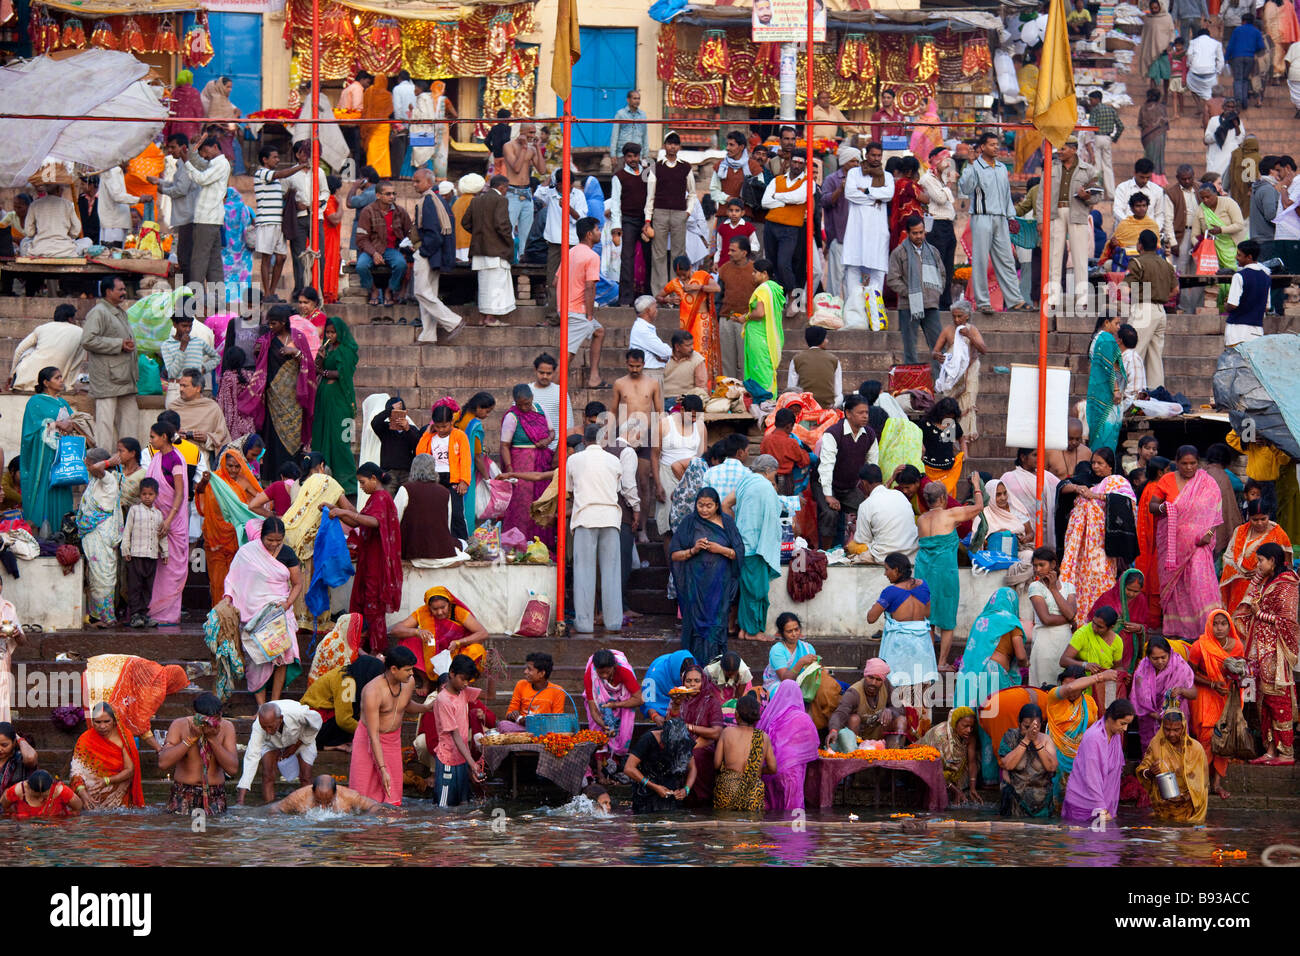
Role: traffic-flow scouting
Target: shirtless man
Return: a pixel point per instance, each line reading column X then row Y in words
column 939, row 520
column 201, row 749
column 1063, row 463
column 376, row 767
column 325, row 794
column 637, row 400
column 522, row 157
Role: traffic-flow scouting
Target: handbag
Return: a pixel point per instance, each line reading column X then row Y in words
column 267, row 635
column 70, row 465
column 1231, row 737
column 1207, row 258
column 1027, row 236
column 904, row 377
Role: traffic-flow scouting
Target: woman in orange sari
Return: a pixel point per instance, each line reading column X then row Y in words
column 135, row 687
column 692, row 293
column 217, row 497
column 1188, row 507
column 442, row 623
column 1207, row 657
column 330, row 248
column 1148, row 561
column 377, row 104
column 1239, row 558
column 105, row 768
column 1083, row 557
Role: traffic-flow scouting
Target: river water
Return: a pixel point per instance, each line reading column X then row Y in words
column 513, row 833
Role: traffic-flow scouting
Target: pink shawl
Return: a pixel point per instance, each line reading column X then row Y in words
column 252, row 402
column 1189, row 588
column 1149, row 689
column 256, row 579
column 794, row 743
column 604, row 693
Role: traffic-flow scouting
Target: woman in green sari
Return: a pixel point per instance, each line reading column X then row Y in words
column 900, row 445
column 45, row 417
column 764, row 335
column 336, row 403
column 1105, row 385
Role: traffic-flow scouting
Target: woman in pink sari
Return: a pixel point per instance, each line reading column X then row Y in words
column 794, row 742
column 168, row 469
column 1188, row 507
column 612, row 696
column 1162, row 680
column 265, row 572
column 1083, row 556
column 525, row 447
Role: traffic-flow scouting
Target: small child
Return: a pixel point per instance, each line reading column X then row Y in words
column 1135, row 373
column 144, row 544
column 1178, row 69
column 733, row 227
column 791, row 457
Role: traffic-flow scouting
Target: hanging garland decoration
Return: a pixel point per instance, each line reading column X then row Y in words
column 74, row 35
column 893, row 58
column 695, row 94
column 336, row 24
column 198, row 43
column 976, row 57
column 714, row 57
column 950, row 56
column 103, row 36
column 666, row 52
column 740, row 79
column 928, row 60
column 133, row 37
column 768, row 59
column 911, row 98
column 379, row 46
column 44, row 30
column 513, row 87
column 846, row 65
column 824, row 75
column 164, row 38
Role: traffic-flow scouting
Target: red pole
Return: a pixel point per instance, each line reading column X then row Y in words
column 314, row 203
column 809, row 179
column 1049, row 207
column 562, row 307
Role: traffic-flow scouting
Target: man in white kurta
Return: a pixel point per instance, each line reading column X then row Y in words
column 52, row 227
column 56, row 343
column 868, row 190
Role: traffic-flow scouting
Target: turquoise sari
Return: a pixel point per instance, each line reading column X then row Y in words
column 936, row 565
column 477, row 446
column 1105, row 378
column 980, row 675
column 41, row 503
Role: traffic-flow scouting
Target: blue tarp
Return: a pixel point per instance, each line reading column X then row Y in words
column 1256, row 380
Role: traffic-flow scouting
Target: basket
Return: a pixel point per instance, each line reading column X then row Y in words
column 1027, row 237
column 563, row 723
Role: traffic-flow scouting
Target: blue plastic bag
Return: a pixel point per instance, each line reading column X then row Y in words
column 70, row 466
column 331, row 566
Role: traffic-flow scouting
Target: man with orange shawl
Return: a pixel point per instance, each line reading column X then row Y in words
column 377, row 588
column 692, row 293
column 1239, row 557
column 220, row 497
column 1188, row 507
column 377, row 104
column 442, row 623
column 1215, row 682
column 1268, row 615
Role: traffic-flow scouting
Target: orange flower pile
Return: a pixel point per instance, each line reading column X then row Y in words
column 912, row 753
column 559, row 745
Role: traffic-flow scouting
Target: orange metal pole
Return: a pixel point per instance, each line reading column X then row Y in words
column 562, row 307
column 809, row 179
column 1049, row 208
column 314, row 203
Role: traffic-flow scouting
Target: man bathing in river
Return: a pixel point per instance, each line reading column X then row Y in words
column 325, row 794
column 376, row 767
column 284, row 728
column 201, row 749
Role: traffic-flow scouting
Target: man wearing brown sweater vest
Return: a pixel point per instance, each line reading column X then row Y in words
column 817, row 370
column 670, row 186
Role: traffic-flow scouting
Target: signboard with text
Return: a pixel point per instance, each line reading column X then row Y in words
column 786, row 21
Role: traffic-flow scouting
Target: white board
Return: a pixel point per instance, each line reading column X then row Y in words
column 1022, row 407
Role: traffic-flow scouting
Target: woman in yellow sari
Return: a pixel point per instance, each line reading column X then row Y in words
column 1239, row 557
column 377, row 104
column 692, row 293
column 302, row 520
column 1174, row 750
column 442, row 623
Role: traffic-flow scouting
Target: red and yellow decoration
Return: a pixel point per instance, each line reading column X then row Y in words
column 103, row 36
column 559, row 745
column 911, row 753
column 975, row 57
column 714, row 59
column 197, row 48
column 73, row 36
column 666, row 52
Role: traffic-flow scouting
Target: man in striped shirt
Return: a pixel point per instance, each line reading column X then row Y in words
column 268, row 193
column 1109, row 127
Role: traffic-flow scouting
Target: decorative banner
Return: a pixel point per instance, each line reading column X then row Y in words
column 786, row 21
column 705, row 94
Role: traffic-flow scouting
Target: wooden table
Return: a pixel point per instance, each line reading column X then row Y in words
column 825, row 773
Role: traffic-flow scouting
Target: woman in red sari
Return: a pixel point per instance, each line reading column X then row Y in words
column 692, row 293
column 1267, row 614
column 909, row 199
column 40, row 795
column 105, row 764
column 442, row 623
column 1239, row 556
column 377, row 587
column 1187, row 507
column 330, row 247
column 1214, row 683
column 1148, row 560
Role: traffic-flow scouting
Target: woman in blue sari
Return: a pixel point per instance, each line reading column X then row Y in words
column 45, row 417
column 236, row 256
column 994, row 638
column 470, row 421
column 706, row 552
column 1105, row 385
column 660, row 678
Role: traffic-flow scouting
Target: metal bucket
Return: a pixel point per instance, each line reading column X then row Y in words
column 1167, row 782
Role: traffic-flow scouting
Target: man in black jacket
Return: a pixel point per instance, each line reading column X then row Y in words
column 491, row 246
column 437, row 251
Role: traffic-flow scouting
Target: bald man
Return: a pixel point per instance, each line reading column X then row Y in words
column 284, row 728
column 325, row 794
column 1063, row 463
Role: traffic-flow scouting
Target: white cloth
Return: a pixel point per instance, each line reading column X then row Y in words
column 551, row 196
column 1219, row 158
column 1234, row 334
column 866, row 236
column 1204, row 64
column 210, row 203
column 53, row 226
column 333, row 147
column 942, row 202
column 697, row 233
column 496, row 290
column 372, row 406
column 1135, row 378
column 645, row 337
column 955, row 364
column 1049, row 642
column 404, row 100
column 829, row 451
column 434, row 315
column 301, row 724
column 50, row 343
column 1021, row 486
column 299, row 182
column 547, row 400
column 114, row 202
column 886, row 523
column 593, row 477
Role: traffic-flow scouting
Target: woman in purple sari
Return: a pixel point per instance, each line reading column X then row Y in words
column 1162, row 680
column 794, row 742
column 525, row 447
column 168, row 469
column 281, row 397
column 1094, row 782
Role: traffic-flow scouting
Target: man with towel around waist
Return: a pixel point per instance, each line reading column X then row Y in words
column 376, row 767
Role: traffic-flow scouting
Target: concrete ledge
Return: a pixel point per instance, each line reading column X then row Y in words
column 44, row 595
column 12, row 406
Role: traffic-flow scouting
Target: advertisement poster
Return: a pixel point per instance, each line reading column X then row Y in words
column 786, row 21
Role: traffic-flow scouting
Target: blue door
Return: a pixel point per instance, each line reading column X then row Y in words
column 237, row 42
column 601, row 79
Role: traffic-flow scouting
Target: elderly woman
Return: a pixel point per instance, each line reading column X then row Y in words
column 105, row 770
column 758, row 519
column 707, row 554
column 525, row 446
column 955, row 741
column 40, row 795
column 45, row 417
column 266, row 572
column 99, row 520
column 1174, row 750
column 424, row 509
column 1028, row 761
column 281, row 398
column 1188, row 507
column 1001, row 513
column 442, row 623
column 221, row 498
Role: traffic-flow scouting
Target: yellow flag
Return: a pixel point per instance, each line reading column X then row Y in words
column 567, row 48
column 1055, row 111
